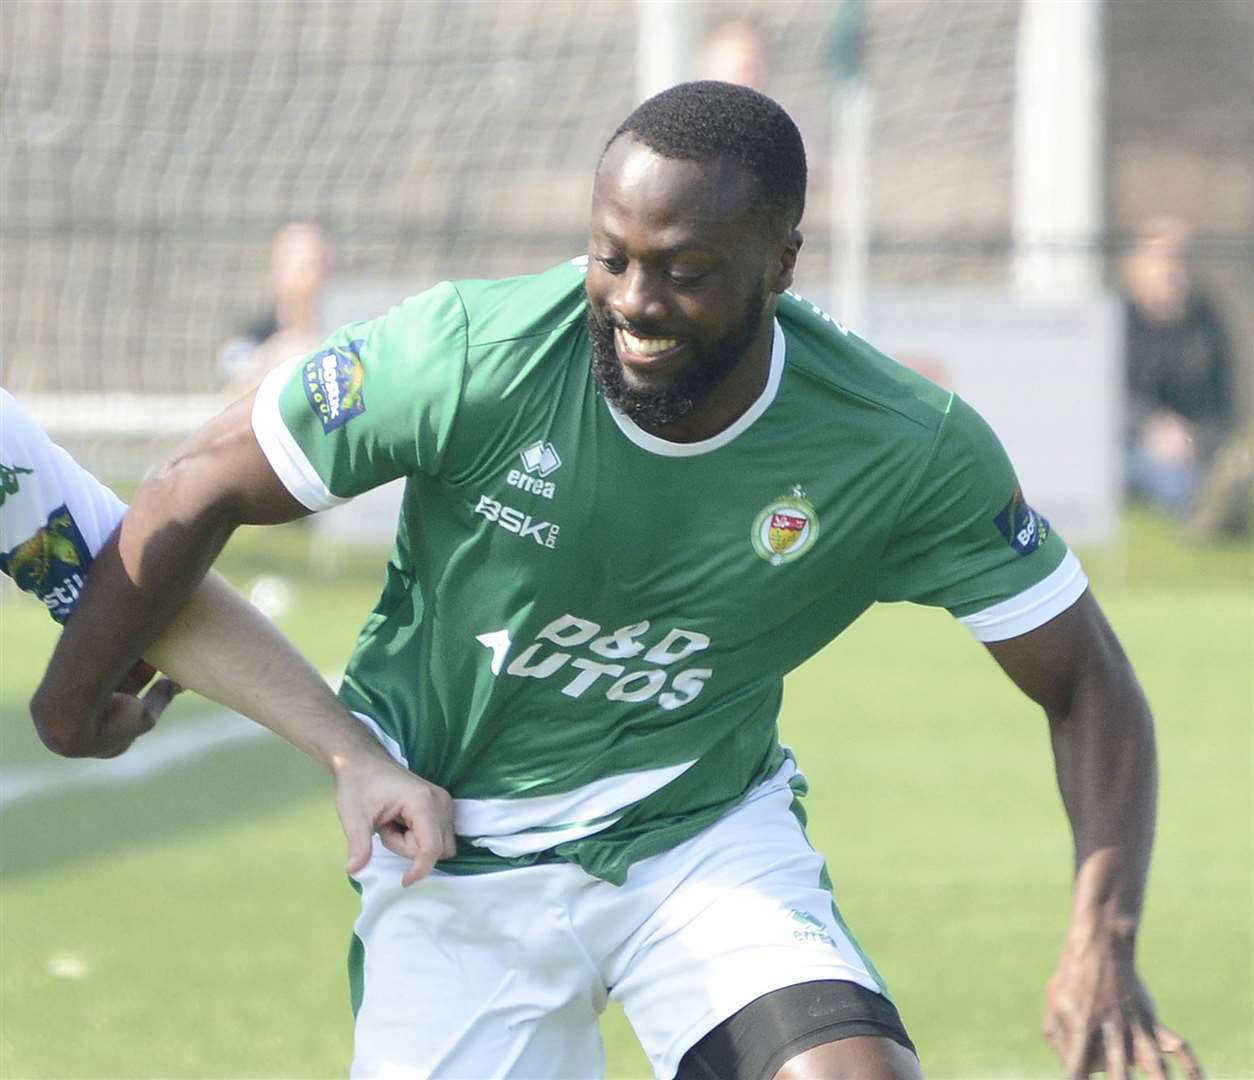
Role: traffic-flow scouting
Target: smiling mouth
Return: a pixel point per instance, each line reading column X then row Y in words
column 636, row 351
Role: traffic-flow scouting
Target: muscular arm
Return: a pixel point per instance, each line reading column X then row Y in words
column 144, row 596
column 1098, row 1013
column 1103, row 741
column 177, row 524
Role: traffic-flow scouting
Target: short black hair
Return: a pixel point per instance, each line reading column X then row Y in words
column 708, row 120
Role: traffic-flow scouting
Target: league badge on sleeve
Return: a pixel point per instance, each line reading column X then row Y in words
column 333, row 384
column 1024, row 529
column 786, row 529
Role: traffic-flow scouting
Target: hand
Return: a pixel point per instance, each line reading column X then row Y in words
column 1168, row 438
column 1099, row 1018
column 414, row 819
column 130, row 715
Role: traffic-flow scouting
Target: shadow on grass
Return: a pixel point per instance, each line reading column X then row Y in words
column 219, row 788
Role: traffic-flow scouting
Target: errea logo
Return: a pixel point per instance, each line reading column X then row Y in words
column 807, row 928
column 539, row 459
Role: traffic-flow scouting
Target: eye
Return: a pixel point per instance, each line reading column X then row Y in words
column 688, row 271
column 612, row 264
column 686, row 278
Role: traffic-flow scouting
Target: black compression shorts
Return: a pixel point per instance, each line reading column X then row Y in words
column 755, row 1042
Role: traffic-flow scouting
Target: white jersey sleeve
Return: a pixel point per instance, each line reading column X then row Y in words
column 54, row 515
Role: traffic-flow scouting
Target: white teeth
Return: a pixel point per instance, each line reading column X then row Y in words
column 647, row 346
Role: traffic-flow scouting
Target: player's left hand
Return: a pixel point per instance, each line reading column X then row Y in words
column 414, row 818
column 130, row 715
column 1099, row 1018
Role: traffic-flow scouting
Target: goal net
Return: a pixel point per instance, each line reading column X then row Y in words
column 149, row 150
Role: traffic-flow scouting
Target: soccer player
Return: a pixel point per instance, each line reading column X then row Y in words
column 642, row 487
column 54, row 518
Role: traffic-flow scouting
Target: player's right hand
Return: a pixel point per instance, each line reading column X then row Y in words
column 414, row 818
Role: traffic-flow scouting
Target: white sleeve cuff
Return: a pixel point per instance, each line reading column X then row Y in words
column 282, row 451
column 1033, row 607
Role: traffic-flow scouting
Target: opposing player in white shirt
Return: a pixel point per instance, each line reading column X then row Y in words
column 55, row 516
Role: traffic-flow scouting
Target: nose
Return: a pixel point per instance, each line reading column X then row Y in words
column 638, row 300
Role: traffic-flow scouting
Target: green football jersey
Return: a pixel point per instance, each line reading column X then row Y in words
column 584, row 628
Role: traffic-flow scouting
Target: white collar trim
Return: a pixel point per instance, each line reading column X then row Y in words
column 666, row 448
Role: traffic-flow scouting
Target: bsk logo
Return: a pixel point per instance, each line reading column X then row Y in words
column 541, row 458
column 543, row 533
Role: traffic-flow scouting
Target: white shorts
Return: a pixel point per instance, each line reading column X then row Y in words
column 504, row 974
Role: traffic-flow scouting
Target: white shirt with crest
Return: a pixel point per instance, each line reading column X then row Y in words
column 54, row 515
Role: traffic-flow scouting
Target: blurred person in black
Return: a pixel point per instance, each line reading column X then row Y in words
column 1181, row 401
column 300, row 261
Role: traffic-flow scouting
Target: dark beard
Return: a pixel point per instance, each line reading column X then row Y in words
column 688, row 390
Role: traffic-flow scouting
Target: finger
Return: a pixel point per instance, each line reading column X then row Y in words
column 164, row 690
column 124, row 721
column 161, row 693
column 398, row 839
column 1145, row 1052
column 423, row 862
column 440, row 814
column 1076, row 1052
column 1172, row 1044
column 418, row 869
column 1116, row 1050
column 1055, row 1035
column 430, row 846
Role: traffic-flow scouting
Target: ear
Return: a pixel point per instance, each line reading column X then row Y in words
column 786, row 262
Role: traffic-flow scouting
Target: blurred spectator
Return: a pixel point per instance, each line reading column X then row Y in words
column 1225, row 504
column 1179, row 373
column 300, row 260
column 733, row 53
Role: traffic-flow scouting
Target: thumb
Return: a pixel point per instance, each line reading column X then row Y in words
column 360, row 836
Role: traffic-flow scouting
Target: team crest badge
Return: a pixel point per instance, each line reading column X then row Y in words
column 786, row 529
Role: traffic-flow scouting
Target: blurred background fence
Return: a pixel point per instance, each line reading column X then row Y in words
column 151, row 148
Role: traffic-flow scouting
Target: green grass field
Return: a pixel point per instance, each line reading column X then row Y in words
column 191, row 921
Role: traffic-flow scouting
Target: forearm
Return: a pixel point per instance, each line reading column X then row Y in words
column 222, row 647
column 139, row 581
column 1097, row 1011
column 1107, row 774
column 145, row 574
